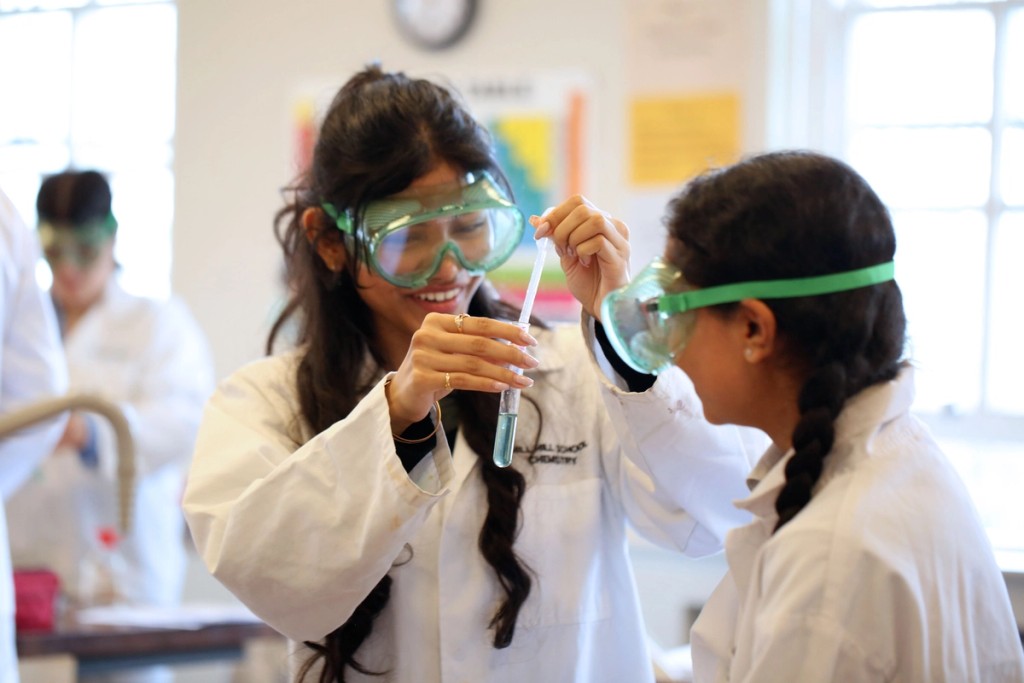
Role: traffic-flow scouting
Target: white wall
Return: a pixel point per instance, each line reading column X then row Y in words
column 241, row 63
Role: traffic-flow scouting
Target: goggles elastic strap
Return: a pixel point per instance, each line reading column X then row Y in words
column 776, row 289
column 342, row 219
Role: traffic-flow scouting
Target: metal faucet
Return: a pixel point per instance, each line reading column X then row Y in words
column 42, row 410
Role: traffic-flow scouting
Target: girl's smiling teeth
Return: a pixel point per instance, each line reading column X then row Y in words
column 439, row 296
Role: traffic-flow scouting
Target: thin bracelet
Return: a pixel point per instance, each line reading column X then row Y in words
column 402, row 439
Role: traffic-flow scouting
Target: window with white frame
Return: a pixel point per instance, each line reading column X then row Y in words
column 926, row 99
column 91, row 84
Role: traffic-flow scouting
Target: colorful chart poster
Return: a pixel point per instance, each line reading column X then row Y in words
column 541, row 124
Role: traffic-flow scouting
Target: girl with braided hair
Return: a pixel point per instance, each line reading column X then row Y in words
column 345, row 489
column 866, row 560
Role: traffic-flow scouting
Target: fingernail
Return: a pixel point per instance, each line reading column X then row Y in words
column 523, row 381
column 527, row 338
column 571, row 251
column 559, row 251
column 585, row 260
column 529, row 361
column 541, row 230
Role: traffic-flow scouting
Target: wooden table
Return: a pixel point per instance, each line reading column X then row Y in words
column 100, row 648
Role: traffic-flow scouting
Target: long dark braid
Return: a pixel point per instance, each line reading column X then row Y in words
column 799, row 214
column 851, row 355
column 382, row 131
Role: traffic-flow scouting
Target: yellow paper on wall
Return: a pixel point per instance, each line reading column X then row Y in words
column 675, row 138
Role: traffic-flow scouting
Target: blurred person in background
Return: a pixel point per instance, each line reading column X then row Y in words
column 31, row 369
column 149, row 357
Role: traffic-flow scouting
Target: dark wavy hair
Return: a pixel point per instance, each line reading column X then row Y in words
column 790, row 215
column 74, row 198
column 382, row 131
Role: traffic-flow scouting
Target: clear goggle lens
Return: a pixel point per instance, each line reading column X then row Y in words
column 79, row 246
column 409, row 236
column 480, row 240
column 642, row 335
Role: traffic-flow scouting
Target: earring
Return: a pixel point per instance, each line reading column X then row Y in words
column 748, row 353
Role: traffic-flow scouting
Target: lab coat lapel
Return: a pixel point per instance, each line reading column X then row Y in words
column 743, row 543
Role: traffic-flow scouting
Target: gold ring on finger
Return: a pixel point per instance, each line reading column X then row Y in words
column 459, row 320
column 447, row 381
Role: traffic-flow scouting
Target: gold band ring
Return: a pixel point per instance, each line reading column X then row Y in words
column 459, row 320
column 448, row 381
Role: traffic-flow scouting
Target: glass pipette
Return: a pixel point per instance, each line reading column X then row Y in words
column 508, row 409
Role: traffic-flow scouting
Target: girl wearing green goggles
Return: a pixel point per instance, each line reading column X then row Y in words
column 650, row 320
column 776, row 298
column 78, row 245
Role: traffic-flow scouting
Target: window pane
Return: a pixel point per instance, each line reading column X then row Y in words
column 47, row 157
column 936, row 167
column 921, row 67
column 940, row 268
column 13, row 5
column 1012, row 181
column 1006, row 362
column 22, row 188
column 1013, row 75
column 915, row 3
column 144, row 206
column 994, row 483
column 121, row 157
column 22, row 168
column 124, row 75
column 36, row 102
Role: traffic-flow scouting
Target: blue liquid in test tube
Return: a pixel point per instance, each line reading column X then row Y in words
column 505, row 439
column 508, row 413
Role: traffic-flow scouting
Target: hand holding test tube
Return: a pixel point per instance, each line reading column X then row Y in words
column 508, row 410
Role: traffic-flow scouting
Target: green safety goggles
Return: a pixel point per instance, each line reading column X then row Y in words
column 651, row 319
column 408, row 237
column 78, row 245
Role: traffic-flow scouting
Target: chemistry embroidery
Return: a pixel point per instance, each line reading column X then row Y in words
column 553, row 454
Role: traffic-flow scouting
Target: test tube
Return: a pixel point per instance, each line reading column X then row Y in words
column 508, row 407
column 508, row 414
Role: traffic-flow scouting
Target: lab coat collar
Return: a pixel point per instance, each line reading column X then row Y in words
column 862, row 418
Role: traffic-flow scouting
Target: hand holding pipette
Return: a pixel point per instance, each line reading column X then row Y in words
column 508, row 410
column 593, row 248
column 594, row 252
column 451, row 352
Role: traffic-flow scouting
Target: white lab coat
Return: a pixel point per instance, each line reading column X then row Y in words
column 301, row 526
column 31, row 369
column 886, row 575
column 151, row 359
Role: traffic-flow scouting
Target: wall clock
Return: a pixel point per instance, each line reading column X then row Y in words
column 434, row 24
